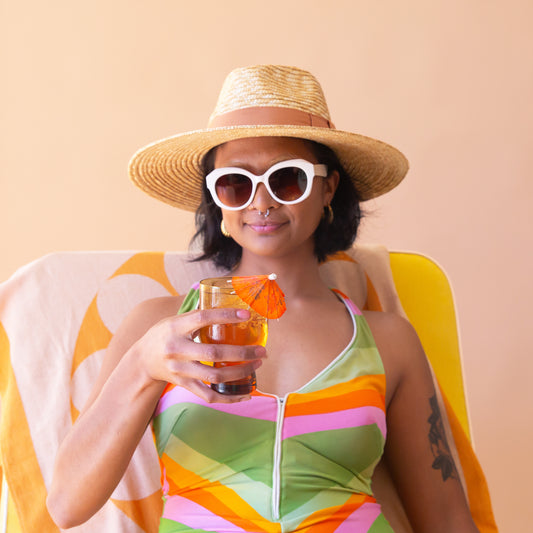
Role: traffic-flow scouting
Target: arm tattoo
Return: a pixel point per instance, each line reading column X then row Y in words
column 439, row 445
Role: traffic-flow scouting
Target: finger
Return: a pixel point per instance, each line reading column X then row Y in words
column 224, row 374
column 192, row 321
column 210, row 374
column 224, row 353
column 205, row 392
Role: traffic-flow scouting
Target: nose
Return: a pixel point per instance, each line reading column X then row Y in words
column 262, row 199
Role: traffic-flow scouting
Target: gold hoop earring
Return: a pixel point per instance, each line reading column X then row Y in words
column 223, row 229
column 328, row 214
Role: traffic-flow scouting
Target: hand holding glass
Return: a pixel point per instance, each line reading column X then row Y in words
column 216, row 293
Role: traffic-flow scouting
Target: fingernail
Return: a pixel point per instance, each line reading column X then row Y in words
column 243, row 313
column 260, row 351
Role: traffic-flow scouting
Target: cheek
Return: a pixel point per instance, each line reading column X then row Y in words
column 309, row 217
column 230, row 217
column 233, row 222
column 315, row 209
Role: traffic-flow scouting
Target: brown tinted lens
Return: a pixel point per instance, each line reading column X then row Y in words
column 288, row 184
column 233, row 190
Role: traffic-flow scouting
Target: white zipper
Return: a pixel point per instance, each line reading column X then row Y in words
column 276, row 472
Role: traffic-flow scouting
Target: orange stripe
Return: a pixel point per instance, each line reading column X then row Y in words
column 319, row 522
column 92, row 336
column 150, row 264
column 168, row 387
column 371, row 381
column 334, row 405
column 372, row 298
column 476, row 484
column 211, row 495
column 347, row 395
column 262, row 394
column 342, row 294
column 340, row 256
column 145, row 512
column 21, row 468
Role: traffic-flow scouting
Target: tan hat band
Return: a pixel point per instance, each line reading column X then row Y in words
column 265, row 116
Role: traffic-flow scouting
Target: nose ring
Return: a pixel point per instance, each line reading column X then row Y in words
column 265, row 214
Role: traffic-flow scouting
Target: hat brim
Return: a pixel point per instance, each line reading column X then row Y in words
column 171, row 169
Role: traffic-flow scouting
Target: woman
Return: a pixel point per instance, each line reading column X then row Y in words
column 276, row 189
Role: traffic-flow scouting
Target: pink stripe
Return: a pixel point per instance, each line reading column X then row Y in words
column 349, row 418
column 259, row 407
column 363, row 518
column 195, row 516
column 352, row 307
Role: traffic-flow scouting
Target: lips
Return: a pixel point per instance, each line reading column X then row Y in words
column 264, row 226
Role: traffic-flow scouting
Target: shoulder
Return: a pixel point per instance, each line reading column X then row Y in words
column 151, row 311
column 398, row 345
column 390, row 327
column 141, row 318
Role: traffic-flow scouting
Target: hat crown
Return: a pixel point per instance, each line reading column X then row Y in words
column 271, row 86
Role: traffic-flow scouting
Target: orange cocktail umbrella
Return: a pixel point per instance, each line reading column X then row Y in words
column 261, row 293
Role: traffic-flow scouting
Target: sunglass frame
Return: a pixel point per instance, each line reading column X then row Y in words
column 311, row 170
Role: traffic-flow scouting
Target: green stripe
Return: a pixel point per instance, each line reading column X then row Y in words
column 190, row 301
column 322, row 500
column 380, row 525
column 243, row 444
column 169, row 526
column 365, row 362
column 342, row 454
column 254, row 493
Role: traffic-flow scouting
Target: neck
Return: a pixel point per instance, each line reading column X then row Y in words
column 298, row 275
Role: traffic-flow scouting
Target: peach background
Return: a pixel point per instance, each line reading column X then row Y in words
column 450, row 83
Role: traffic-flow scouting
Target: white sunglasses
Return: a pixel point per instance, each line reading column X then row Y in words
column 288, row 182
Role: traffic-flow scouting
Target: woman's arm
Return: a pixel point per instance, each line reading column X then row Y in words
column 417, row 452
column 149, row 350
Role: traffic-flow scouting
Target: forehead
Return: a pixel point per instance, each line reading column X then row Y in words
column 262, row 152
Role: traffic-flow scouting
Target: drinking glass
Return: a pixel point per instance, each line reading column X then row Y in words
column 219, row 292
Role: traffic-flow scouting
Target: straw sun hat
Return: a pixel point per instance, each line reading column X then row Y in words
column 263, row 101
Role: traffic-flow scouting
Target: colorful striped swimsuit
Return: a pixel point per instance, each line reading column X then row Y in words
column 302, row 463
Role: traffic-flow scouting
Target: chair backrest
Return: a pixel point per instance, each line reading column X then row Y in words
column 427, row 298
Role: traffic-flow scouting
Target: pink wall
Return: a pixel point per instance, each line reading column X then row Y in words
column 448, row 82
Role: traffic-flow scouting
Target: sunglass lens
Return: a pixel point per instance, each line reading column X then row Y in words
column 233, row 190
column 288, row 184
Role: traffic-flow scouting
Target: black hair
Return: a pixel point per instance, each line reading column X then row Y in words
column 330, row 236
